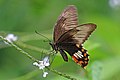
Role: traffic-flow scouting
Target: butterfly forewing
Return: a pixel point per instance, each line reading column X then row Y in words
column 66, row 21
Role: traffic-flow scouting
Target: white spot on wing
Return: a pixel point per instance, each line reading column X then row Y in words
column 78, row 54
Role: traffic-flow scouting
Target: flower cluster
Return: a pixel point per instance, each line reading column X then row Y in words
column 42, row 64
column 11, row 38
column 114, row 3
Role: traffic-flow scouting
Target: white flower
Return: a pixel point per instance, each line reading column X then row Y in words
column 45, row 74
column 114, row 3
column 11, row 37
column 42, row 64
column 46, row 61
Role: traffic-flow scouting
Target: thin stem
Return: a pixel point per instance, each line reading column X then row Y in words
column 19, row 49
column 32, row 58
column 61, row 74
column 23, row 45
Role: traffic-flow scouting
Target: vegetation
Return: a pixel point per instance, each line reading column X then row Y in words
column 23, row 17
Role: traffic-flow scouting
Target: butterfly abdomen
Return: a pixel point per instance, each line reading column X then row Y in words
column 81, row 57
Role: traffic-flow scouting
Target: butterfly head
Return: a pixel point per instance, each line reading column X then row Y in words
column 54, row 47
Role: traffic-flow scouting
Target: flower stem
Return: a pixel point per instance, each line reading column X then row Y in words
column 34, row 48
column 35, row 60
column 19, row 49
column 61, row 74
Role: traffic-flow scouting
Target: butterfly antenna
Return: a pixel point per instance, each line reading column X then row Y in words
column 42, row 35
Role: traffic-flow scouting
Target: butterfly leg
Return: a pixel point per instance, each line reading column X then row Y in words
column 64, row 55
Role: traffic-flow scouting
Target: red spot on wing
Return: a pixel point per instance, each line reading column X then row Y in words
column 75, row 59
column 82, row 61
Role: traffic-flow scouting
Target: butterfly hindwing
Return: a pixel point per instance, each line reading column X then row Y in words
column 77, row 52
column 81, row 57
column 84, row 31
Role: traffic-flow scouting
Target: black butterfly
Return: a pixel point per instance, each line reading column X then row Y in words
column 69, row 36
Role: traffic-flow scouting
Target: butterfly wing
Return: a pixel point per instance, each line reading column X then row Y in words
column 72, row 40
column 66, row 21
column 68, row 36
column 77, row 35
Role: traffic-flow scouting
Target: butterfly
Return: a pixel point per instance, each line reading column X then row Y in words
column 69, row 36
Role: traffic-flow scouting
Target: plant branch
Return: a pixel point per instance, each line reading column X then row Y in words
column 32, row 58
column 34, row 48
column 19, row 49
column 62, row 74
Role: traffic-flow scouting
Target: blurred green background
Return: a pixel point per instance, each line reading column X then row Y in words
column 23, row 17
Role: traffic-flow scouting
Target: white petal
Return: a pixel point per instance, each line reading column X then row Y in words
column 11, row 37
column 15, row 38
column 40, row 62
column 46, row 61
column 41, row 66
column 35, row 63
column 45, row 74
column 47, row 64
